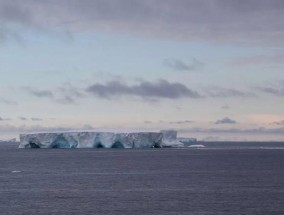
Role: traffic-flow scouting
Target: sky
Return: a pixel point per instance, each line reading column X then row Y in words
column 211, row 69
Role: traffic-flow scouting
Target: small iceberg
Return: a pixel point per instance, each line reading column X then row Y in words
column 16, row 171
column 196, row 146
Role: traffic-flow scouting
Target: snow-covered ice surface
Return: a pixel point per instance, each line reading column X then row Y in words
column 90, row 139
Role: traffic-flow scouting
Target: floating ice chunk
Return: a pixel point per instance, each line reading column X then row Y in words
column 187, row 140
column 196, row 146
column 16, row 171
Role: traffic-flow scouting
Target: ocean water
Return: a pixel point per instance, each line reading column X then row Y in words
column 222, row 178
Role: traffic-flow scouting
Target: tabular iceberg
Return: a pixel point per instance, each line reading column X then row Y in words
column 93, row 140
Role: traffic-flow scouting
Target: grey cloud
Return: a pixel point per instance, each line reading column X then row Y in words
column 8, row 102
column 181, row 122
column 69, row 90
column 228, row 92
column 179, row 65
column 273, row 91
column 32, row 118
column 225, row 107
column 42, row 93
column 276, row 88
column 65, row 94
column 268, row 59
column 147, row 122
column 40, row 128
column 145, row 89
column 259, row 130
column 212, row 138
column 23, row 118
column 14, row 11
column 194, row 20
column 279, row 123
column 225, row 120
column 36, row 119
column 4, row 119
column 7, row 34
column 66, row 100
column 172, row 122
column 68, row 94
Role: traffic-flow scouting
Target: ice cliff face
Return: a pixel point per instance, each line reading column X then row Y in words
column 49, row 140
column 92, row 140
column 170, row 139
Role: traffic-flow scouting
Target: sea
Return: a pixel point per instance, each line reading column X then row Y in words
column 220, row 178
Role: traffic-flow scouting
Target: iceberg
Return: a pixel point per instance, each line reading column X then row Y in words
column 94, row 139
column 196, row 146
column 187, row 141
column 49, row 140
column 89, row 139
column 170, row 139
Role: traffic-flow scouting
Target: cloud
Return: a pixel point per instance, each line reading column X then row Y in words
column 41, row 93
column 23, row 118
column 15, row 12
column 258, row 130
column 36, row 119
column 68, row 94
column 268, row 59
column 8, row 102
column 68, row 89
column 171, row 122
column 179, row 65
column 278, row 123
column 275, row 88
column 40, row 128
column 66, row 100
column 225, row 120
column 161, row 89
column 4, row 119
column 225, row 107
column 212, row 138
column 65, row 94
column 272, row 90
column 147, row 122
column 7, row 34
column 252, row 21
column 221, row 92
column 181, row 122
column 32, row 118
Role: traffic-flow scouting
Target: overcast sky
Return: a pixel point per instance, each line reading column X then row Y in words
column 212, row 69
